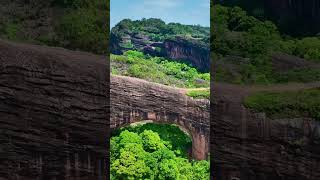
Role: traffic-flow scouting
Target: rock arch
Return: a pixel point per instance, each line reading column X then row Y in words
column 134, row 100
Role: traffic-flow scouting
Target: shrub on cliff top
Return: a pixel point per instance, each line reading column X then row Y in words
column 158, row 69
column 305, row 103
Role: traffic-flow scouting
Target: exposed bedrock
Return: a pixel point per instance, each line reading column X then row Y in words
column 184, row 50
column 197, row 56
column 250, row 146
column 54, row 118
column 53, row 113
column 134, row 100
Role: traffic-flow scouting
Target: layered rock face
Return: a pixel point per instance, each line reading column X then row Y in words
column 180, row 49
column 247, row 145
column 53, row 113
column 134, row 100
column 176, row 49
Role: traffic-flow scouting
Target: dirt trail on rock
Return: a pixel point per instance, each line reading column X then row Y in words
column 186, row 90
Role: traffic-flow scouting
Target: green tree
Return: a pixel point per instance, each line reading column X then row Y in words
column 151, row 141
column 168, row 170
column 146, row 156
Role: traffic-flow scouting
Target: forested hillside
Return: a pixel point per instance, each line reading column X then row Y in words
column 247, row 50
column 156, row 30
column 183, row 43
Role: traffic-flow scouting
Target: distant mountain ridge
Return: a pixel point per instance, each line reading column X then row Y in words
column 186, row 43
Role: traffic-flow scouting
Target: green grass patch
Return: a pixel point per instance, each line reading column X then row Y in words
column 199, row 94
column 158, row 69
column 300, row 75
column 305, row 103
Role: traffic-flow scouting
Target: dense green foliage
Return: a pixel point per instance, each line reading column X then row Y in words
column 157, row 30
column 79, row 25
column 84, row 26
column 141, row 153
column 158, row 69
column 178, row 140
column 304, row 103
column 252, row 42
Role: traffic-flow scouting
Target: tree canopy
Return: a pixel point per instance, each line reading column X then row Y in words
column 141, row 153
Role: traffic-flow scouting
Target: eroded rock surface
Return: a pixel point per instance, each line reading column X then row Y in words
column 53, row 113
column 248, row 145
column 54, row 121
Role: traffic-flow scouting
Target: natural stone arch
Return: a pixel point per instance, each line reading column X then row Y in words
column 134, row 100
column 198, row 148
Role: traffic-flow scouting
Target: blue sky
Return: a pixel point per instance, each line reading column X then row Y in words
column 182, row 11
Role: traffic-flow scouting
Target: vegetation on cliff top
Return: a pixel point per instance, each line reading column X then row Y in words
column 250, row 42
column 304, row 103
column 199, row 94
column 157, row 30
column 154, row 151
column 158, row 69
